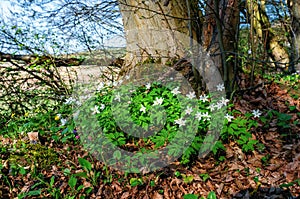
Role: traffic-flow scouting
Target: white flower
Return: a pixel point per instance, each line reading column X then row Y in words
column 63, row 121
column 224, row 101
column 85, row 97
column 175, row 91
column 115, row 83
column 127, row 77
column 102, row 106
column 76, row 114
column 220, row 87
column 78, row 103
column 191, row 95
column 95, row 110
column 100, row 86
column 118, row 97
column 206, row 116
column 212, row 106
column 158, row 101
column 198, row 116
column 249, row 51
column 143, row 109
column 148, row 86
column 256, row 113
column 204, row 98
column 70, row 100
column 188, row 110
column 219, row 105
column 229, row 117
column 180, row 122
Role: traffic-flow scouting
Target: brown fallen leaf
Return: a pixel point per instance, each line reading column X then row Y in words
column 219, row 188
column 33, row 137
column 125, row 195
column 156, row 195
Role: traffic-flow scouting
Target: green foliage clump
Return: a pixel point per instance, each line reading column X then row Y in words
column 239, row 129
column 141, row 127
column 157, row 125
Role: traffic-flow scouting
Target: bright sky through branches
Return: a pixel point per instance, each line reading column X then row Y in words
column 68, row 38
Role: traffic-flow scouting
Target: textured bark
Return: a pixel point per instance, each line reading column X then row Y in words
column 264, row 33
column 154, row 29
column 294, row 6
column 227, row 13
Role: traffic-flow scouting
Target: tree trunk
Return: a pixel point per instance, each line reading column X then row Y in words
column 263, row 33
column 162, row 33
column 155, row 30
column 294, row 6
column 167, row 30
column 220, row 35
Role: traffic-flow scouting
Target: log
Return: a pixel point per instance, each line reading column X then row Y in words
column 44, row 59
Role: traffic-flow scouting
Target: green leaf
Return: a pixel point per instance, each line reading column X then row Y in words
column 67, row 171
column 204, row 176
column 263, row 119
column 222, row 158
column 234, row 126
column 117, row 155
column 37, row 184
column 65, row 131
column 152, row 183
column 34, row 193
column 135, row 182
column 287, row 185
column 211, row 195
column 81, row 174
column 190, row 196
column 218, row 145
column 231, row 131
column 72, row 182
column 88, row 190
column 52, row 181
column 22, row 171
column 80, row 187
column 85, row 164
column 177, row 173
column 55, row 138
column 187, row 179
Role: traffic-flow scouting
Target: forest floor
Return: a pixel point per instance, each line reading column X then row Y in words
column 273, row 172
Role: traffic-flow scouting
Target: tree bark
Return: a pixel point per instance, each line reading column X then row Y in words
column 263, row 33
column 166, row 30
column 156, row 30
column 294, row 6
column 220, row 35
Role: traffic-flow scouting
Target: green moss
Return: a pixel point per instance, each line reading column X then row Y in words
column 25, row 154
